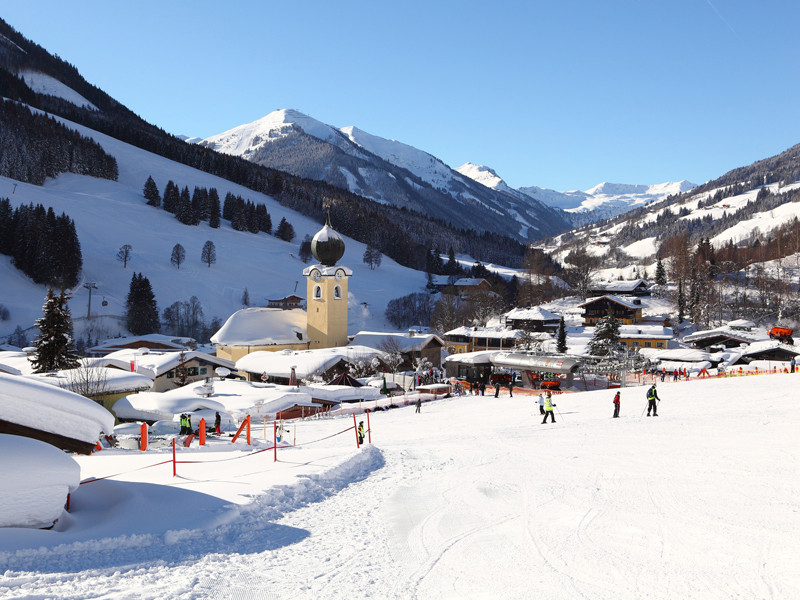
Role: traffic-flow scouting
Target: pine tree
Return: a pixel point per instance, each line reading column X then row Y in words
column 213, row 208
column 54, row 346
column 142, row 311
column 285, row 231
column 172, row 197
column 151, row 193
column 209, row 253
column 661, row 273
column 561, row 337
column 605, row 340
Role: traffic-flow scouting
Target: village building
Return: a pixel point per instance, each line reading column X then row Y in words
column 289, row 302
column 167, row 370
column 635, row 287
column 535, row 319
column 412, row 346
column 464, row 287
column 645, row 336
column 257, row 329
column 734, row 334
column 153, row 341
column 626, row 310
column 469, row 339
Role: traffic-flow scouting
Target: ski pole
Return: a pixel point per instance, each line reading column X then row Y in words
column 560, row 416
column 647, row 403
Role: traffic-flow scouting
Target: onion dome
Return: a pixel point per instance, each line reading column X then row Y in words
column 327, row 246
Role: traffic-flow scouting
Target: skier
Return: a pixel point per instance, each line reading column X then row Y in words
column 419, row 404
column 218, row 423
column 541, row 403
column 616, row 405
column 548, row 408
column 360, row 432
column 184, row 425
column 652, row 397
column 511, row 386
column 496, row 388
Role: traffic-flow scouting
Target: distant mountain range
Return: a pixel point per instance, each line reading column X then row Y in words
column 394, row 173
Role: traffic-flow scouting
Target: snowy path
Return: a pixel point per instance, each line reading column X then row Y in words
column 461, row 502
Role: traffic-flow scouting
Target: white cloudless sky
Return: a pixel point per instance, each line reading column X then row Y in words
column 562, row 95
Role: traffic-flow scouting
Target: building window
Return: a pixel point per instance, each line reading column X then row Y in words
column 337, row 292
column 648, row 344
column 317, row 292
column 659, row 344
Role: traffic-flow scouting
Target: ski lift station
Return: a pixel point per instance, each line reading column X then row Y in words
column 480, row 365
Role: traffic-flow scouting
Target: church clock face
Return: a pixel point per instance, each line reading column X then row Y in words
column 339, row 274
column 316, row 275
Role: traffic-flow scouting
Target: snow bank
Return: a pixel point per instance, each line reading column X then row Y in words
column 35, row 483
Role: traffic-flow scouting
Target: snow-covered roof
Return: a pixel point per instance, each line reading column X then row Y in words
column 405, row 342
column 766, row 346
column 483, row 332
column 733, row 332
column 102, row 379
column 688, row 355
column 341, row 393
column 47, row 408
column 535, row 313
column 35, row 483
column 307, row 363
column 623, row 301
column 645, row 332
column 170, row 341
column 258, row 326
column 620, row 286
column 472, row 358
column 154, row 363
column 235, row 397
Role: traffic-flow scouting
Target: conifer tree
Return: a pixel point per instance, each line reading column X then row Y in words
column 54, row 345
column 285, row 231
column 151, row 193
column 213, row 208
column 561, row 337
column 606, row 336
column 172, row 197
column 142, row 310
column 661, row 273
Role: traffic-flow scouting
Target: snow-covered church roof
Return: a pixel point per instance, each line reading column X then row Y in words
column 258, row 326
column 306, row 363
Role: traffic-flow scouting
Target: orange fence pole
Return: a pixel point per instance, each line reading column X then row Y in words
column 275, row 439
column 202, row 427
column 143, row 434
column 245, row 423
column 174, row 465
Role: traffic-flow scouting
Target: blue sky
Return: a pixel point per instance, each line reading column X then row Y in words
column 562, row 95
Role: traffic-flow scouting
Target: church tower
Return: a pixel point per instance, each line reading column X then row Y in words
column 326, row 290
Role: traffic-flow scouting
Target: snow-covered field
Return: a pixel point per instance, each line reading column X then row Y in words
column 472, row 498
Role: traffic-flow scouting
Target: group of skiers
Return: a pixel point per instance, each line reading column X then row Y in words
column 186, row 424
column 652, row 400
column 546, row 404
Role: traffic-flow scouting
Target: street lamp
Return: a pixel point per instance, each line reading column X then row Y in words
column 90, row 286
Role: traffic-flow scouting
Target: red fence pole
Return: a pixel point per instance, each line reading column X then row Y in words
column 245, row 423
column 275, row 439
column 369, row 429
column 174, row 465
column 355, row 426
column 202, row 426
column 143, row 435
column 248, row 430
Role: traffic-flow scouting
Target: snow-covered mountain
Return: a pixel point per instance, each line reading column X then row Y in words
column 603, row 201
column 386, row 171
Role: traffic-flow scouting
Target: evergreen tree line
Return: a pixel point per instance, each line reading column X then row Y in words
column 44, row 246
column 34, row 147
